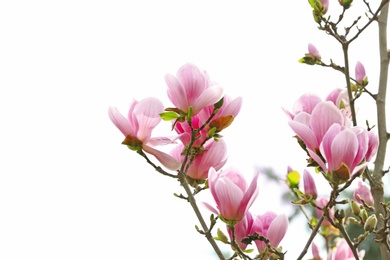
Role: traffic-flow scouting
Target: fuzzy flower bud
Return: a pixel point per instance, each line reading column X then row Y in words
column 370, row 223
column 355, row 208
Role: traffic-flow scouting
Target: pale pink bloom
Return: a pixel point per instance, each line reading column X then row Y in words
column 192, row 88
column 214, row 155
column 309, row 184
column 373, row 143
column 311, row 128
column 360, row 72
column 342, row 251
column 242, row 229
column 271, row 226
column 343, row 149
column 142, row 118
column 313, row 51
column 322, row 202
column 231, row 193
column 363, row 190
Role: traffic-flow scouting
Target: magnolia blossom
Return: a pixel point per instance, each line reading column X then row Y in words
column 343, row 150
column 362, row 192
column 342, row 251
column 242, row 229
column 142, row 118
column 231, row 193
column 271, row 226
column 214, row 155
column 360, row 72
column 192, row 88
column 311, row 128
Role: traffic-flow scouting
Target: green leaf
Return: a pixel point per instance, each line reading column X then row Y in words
column 168, row 116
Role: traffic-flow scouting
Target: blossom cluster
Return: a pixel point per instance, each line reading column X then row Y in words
column 325, row 131
column 201, row 111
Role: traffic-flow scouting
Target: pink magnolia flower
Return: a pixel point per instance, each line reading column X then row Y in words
column 231, row 193
column 343, row 150
column 242, row 229
column 142, row 118
column 362, row 192
column 271, row 226
column 309, row 184
column 192, row 88
column 342, row 251
column 214, row 155
column 311, row 128
column 313, row 51
column 360, row 72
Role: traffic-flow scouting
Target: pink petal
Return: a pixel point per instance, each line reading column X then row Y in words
column 233, row 108
column 164, row 158
column 250, row 195
column 147, row 113
column 208, row 97
column 323, row 116
column 120, row 122
column 305, row 134
column 344, row 149
column 277, row 230
column 176, row 93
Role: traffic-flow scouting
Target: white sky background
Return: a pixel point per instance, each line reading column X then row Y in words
column 69, row 189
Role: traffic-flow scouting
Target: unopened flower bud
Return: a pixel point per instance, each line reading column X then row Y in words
column 355, row 208
column 370, row 223
column 360, row 72
column 309, row 184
